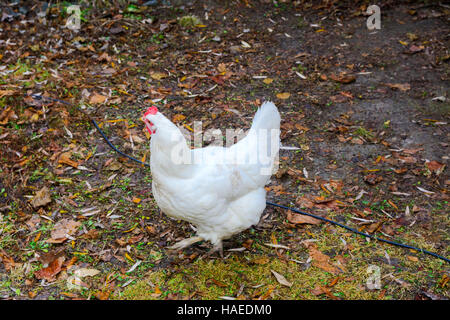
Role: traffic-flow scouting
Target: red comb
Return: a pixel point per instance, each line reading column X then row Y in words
column 151, row 110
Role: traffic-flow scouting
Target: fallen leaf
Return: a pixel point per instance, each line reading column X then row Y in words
column 33, row 222
column 399, row 86
column 136, row 200
column 222, row 67
column 372, row 179
column 268, row 80
column 412, row 36
column 301, row 219
column 6, row 93
column 158, row 75
column 41, row 198
column 283, row 96
column 219, row 283
column 97, row 98
column 281, row 279
column 301, row 128
column 8, row 262
column 178, row 118
column 92, row 234
column 75, row 282
column 278, row 190
column 104, row 57
column 435, row 167
column 357, row 141
column 407, row 159
column 62, row 229
column 47, row 257
column 343, row 78
column 64, row 158
column 157, row 292
column 103, row 295
column 424, row 190
column 412, row 151
column 319, row 259
column 305, row 202
column 6, row 115
column 86, row 272
column 373, row 227
column 414, row 49
column 51, row 271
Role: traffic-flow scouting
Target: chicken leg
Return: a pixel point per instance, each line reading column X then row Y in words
column 218, row 247
column 185, row 243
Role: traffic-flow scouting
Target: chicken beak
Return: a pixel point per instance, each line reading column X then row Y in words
column 148, row 124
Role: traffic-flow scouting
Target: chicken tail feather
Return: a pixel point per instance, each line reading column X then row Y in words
column 267, row 117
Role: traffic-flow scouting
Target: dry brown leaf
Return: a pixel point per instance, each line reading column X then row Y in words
column 103, row 295
column 373, row 179
column 7, row 261
column 338, row 98
column 97, row 98
column 6, row 93
column 281, row 279
column 412, row 151
column 414, row 49
column 343, row 78
column 305, row 202
column 283, row 95
column 6, row 115
column 178, row 118
column 357, row 141
column 92, row 234
column 318, row 290
column 373, row 227
column 278, row 190
column 86, row 272
column 399, row 86
column 104, row 57
column 319, row 259
column 300, row 219
column 407, row 159
column 33, row 222
column 300, row 127
column 435, row 167
column 41, row 198
column 62, row 229
column 64, row 158
column 222, row 67
column 136, row 200
column 158, row 75
column 51, row 271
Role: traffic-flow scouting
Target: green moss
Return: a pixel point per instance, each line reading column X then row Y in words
column 209, row 279
column 212, row 279
column 189, row 21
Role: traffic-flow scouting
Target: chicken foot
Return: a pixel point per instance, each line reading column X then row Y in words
column 218, row 247
column 185, row 243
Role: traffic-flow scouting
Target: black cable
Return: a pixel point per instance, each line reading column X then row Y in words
column 359, row 232
column 38, row 97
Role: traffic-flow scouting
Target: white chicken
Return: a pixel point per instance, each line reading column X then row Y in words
column 219, row 190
